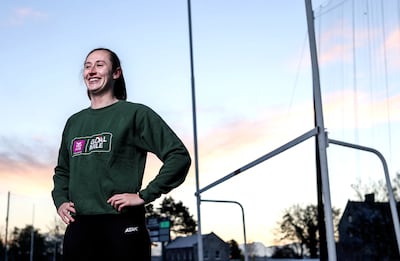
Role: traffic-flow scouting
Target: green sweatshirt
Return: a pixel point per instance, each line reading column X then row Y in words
column 103, row 152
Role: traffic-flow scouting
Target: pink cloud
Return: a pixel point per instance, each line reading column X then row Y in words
column 340, row 110
column 247, row 139
column 392, row 48
column 339, row 42
column 24, row 178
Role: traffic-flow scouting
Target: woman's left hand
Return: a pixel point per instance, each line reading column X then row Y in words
column 119, row 201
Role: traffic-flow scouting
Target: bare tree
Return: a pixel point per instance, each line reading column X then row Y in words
column 300, row 225
column 378, row 188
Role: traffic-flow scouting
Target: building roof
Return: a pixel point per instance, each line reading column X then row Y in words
column 366, row 208
column 186, row 242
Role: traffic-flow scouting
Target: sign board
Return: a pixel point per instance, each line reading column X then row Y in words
column 159, row 229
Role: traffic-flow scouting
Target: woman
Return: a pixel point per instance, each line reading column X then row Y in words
column 97, row 181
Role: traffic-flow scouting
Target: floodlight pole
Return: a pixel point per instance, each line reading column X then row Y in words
column 321, row 141
column 32, row 234
column 6, row 239
column 321, row 138
column 244, row 223
column 196, row 158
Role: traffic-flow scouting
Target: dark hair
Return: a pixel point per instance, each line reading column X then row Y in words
column 119, row 86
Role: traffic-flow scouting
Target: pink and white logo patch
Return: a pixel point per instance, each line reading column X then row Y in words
column 78, row 146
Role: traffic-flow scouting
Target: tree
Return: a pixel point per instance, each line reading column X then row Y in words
column 182, row 222
column 301, row 225
column 20, row 245
column 150, row 212
column 2, row 248
column 378, row 188
column 234, row 250
column 287, row 251
column 54, row 239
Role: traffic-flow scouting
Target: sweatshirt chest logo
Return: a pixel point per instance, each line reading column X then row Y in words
column 96, row 143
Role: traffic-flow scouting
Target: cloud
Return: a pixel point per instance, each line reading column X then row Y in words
column 25, row 179
column 272, row 127
column 340, row 110
column 25, row 165
column 338, row 42
column 246, row 139
column 392, row 48
column 23, row 15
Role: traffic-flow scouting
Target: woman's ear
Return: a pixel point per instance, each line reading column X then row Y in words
column 117, row 73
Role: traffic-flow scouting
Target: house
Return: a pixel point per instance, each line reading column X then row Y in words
column 185, row 249
column 366, row 232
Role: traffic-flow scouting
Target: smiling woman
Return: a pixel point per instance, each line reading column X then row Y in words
column 98, row 178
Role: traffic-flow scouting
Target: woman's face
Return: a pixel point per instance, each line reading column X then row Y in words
column 98, row 75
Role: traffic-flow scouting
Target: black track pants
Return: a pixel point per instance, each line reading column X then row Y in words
column 108, row 237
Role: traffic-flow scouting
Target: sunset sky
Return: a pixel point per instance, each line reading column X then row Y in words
column 253, row 94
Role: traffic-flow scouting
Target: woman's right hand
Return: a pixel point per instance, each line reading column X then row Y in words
column 65, row 211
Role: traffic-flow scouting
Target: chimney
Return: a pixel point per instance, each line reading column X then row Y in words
column 370, row 198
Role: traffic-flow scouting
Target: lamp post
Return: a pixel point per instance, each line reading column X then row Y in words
column 6, row 239
column 244, row 224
